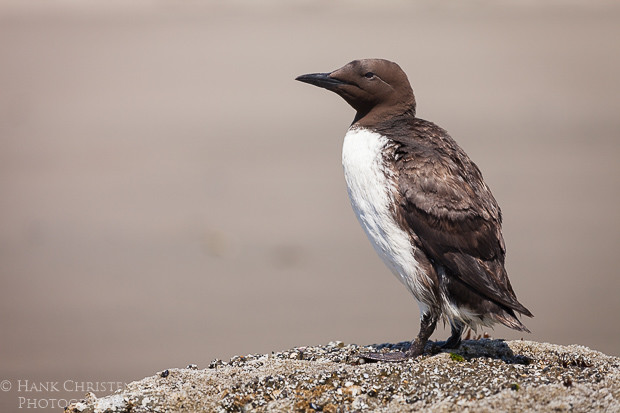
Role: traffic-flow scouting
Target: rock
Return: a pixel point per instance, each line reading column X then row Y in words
column 482, row 375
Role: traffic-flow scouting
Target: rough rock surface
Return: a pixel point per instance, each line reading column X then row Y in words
column 482, row 375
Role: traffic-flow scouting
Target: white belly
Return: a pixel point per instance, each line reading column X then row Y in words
column 370, row 189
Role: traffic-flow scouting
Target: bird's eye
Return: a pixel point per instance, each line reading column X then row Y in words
column 369, row 75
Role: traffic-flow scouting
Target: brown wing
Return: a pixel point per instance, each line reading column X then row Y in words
column 444, row 199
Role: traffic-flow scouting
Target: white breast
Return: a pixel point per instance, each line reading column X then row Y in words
column 370, row 187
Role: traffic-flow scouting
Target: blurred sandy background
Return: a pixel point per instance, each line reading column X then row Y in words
column 170, row 195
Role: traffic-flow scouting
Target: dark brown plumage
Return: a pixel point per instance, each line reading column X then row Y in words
column 439, row 198
column 446, row 203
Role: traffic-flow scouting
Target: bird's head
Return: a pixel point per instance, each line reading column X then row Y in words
column 373, row 87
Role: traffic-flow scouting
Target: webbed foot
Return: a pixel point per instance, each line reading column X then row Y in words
column 393, row 357
column 416, row 349
column 427, row 326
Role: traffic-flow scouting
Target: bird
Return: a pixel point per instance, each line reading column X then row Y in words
column 424, row 206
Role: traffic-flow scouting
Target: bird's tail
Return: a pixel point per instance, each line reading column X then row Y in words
column 509, row 319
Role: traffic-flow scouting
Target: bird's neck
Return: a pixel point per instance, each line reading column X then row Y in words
column 380, row 114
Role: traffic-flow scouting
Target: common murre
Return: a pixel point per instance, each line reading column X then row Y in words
column 423, row 205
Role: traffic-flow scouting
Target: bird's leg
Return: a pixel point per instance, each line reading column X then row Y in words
column 427, row 325
column 428, row 322
column 455, row 337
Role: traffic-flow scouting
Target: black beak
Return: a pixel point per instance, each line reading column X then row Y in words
column 321, row 80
